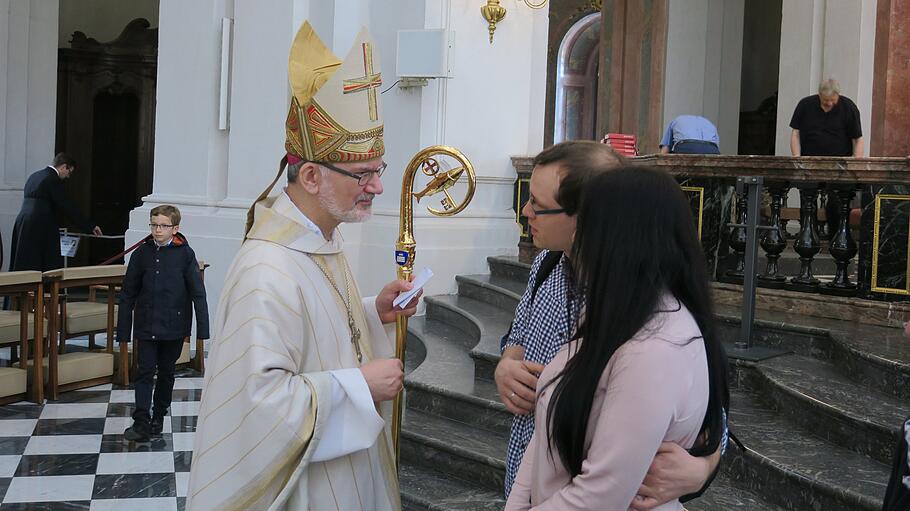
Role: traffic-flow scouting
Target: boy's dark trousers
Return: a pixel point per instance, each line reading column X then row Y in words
column 162, row 355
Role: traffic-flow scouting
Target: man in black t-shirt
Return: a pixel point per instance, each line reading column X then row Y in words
column 827, row 124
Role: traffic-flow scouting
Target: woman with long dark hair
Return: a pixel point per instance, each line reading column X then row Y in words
column 644, row 367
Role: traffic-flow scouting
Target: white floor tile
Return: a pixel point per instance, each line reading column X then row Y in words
column 64, row 444
column 184, row 408
column 106, row 386
column 50, row 489
column 154, row 504
column 135, row 463
column 123, row 396
column 183, row 483
column 183, row 441
column 17, row 427
column 8, row 465
column 188, row 383
column 74, row 411
column 117, row 425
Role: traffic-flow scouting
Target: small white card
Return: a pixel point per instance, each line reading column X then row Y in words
column 419, row 281
column 68, row 245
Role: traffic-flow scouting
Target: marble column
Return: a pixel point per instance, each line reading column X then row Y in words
column 884, row 267
column 890, row 130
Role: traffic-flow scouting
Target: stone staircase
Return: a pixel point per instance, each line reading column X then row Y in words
column 819, row 422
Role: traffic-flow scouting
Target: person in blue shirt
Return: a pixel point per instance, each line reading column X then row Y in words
column 690, row 134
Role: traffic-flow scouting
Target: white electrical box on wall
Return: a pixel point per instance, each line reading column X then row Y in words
column 424, row 53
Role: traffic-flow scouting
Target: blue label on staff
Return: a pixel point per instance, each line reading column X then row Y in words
column 401, row 257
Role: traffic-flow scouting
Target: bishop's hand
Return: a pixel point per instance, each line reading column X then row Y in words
column 384, row 377
column 388, row 312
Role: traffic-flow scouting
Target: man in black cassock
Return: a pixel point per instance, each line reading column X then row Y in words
column 36, row 234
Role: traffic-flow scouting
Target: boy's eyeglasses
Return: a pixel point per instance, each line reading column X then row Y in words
column 541, row 212
column 362, row 177
column 155, row 227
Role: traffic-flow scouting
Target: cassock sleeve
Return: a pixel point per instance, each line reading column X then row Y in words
column 354, row 423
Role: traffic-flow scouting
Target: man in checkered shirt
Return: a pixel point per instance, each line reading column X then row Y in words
column 546, row 317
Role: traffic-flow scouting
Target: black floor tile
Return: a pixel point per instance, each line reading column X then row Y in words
column 182, row 461
column 93, row 426
column 117, row 443
column 120, row 409
column 83, row 396
column 13, row 444
column 4, row 485
column 57, row 465
column 184, row 424
column 181, row 503
column 125, row 486
column 49, row 506
column 29, row 411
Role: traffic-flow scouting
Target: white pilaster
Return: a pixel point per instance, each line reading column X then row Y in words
column 28, row 99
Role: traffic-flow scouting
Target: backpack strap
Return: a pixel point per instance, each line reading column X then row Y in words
column 546, row 267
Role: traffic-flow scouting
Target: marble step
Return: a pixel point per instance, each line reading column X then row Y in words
column 457, row 449
column 468, row 314
column 495, row 291
column 722, row 495
column 425, row 489
column 444, row 384
column 794, row 469
column 509, row 267
column 815, row 395
column 875, row 356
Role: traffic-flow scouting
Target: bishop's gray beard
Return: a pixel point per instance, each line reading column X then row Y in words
column 354, row 214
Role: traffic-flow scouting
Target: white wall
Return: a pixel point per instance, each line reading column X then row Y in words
column 821, row 39
column 102, row 20
column 28, row 94
column 491, row 108
column 704, row 64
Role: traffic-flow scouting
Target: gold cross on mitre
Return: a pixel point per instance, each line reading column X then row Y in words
column 369, row 82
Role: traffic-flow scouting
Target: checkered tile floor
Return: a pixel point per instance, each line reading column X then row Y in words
column 70, row 454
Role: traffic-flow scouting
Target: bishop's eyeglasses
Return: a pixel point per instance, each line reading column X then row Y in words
column 362, row 177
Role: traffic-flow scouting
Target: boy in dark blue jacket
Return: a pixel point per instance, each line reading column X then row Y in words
column 161, row 281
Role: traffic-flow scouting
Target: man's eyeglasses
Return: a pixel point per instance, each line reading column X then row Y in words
column 155, row 227
column 362, row 177
column 541, row 212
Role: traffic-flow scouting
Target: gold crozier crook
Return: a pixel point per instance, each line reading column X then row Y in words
column 405, row 249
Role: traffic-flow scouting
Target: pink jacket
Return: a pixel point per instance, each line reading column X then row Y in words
column 654, row 389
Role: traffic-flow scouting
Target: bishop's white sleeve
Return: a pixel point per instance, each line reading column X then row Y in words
column 354, row 424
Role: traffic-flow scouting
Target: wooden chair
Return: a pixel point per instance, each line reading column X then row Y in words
column 69, row 371
column 198, row 361
column 16, row 328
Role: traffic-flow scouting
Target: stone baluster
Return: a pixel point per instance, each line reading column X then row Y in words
column 843, row 247
column 774, row 241
column 738, row 238
column 807, row 244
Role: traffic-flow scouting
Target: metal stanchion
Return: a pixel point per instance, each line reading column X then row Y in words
column 743, row 347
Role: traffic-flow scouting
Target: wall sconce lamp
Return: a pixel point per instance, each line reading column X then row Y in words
column 493, row 13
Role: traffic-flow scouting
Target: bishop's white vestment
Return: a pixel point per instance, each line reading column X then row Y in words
column 286, row 419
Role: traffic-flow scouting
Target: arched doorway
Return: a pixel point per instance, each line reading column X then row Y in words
column 577, row 67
